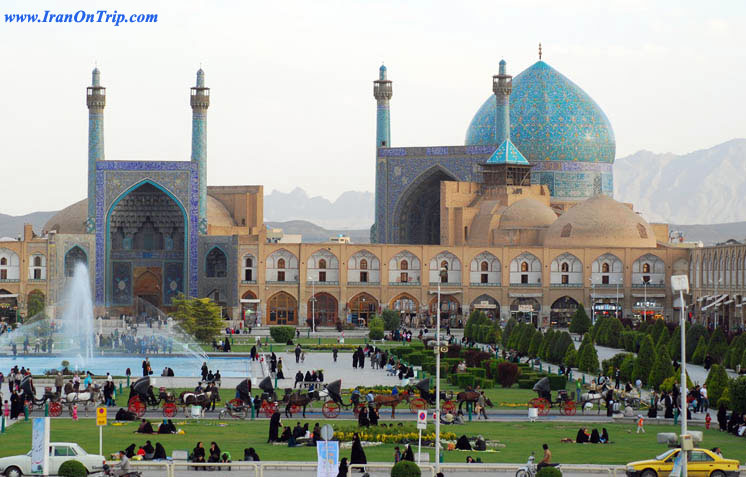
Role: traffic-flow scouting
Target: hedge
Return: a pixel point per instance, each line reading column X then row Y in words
column 465, row 380
column 72, row 468
column 477, row 372
column 282, row 334
column 405, row 468
column 557, row 382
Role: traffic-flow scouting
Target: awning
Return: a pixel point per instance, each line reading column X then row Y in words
column 9, row 295
column 728, row 302
column 484, row 306
column 701, row 298
column 250, row 300
column 444, row 292
column 607, row 295
column 720, row 298
column 649, row 295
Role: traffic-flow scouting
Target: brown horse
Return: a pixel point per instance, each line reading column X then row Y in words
column 470, row 397
column 204, row 399
column 292, row 399
column 381, row 400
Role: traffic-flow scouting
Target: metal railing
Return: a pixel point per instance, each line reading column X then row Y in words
column 566, row 285
column 321, row 284
column 284, row 282
column 649, row 285
column 174, row 468
column 480, row 284
column 405, row 284
column 363, row 284
column 528, row 285
column 248, row 282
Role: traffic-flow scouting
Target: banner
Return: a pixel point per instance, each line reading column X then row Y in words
column 328, row 458
column 677, row 466
column 40, row 446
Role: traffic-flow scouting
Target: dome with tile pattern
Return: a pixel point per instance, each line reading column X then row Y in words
column 551, row 119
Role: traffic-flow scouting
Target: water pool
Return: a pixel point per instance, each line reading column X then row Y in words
column 116, row 365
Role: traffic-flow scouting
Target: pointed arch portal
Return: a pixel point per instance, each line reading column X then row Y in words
column 418, row 211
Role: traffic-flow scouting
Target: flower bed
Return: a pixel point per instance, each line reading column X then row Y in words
column 390, row 435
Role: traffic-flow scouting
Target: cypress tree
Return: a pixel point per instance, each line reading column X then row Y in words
column 645, row 359
column 674, row 345
column 692, row 338
column 533, row 349
column 580, row 322
column 588, row 359
column 571, row 357
column 509, row 326
column 717, row 381
column 700, row 352
column 662, row 369
column 717, row 345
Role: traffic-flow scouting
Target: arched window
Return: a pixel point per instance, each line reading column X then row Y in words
column 565, row 267
column 524, row 266
column 484, row 266
column 249, row 263
column 645, row 268
column 281, row 263
column 3, row 261
column 604, row 267
column 216, row 265
column 322, row 263
column 363, row 264
column 74, row 256
column 37, row 261
column 404, row 265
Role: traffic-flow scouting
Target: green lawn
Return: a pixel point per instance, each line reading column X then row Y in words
column 519, row 438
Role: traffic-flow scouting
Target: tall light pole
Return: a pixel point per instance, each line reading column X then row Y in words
column 680, row 283
column 593, row 311
column 645, row 299
column 443, row 274
column 313, row 305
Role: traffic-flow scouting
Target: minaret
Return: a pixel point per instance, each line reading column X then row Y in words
column 200, row 101
column 95, row 100
column 382, row 91
column 502, row 86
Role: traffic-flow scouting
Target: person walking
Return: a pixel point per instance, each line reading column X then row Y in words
column 297, row 353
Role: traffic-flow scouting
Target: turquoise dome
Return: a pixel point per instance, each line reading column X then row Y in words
column 551, row 119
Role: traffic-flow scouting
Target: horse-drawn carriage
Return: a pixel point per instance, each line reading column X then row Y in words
column 334, row 404
column 544, row 401
column 268, row 397
column 240, row 406
column 427, row 398
column 142, row 397
column 51, row 397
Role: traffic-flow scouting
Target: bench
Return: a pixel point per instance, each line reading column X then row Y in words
column 179, row 455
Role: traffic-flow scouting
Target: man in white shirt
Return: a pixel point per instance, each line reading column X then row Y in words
column 703, row 396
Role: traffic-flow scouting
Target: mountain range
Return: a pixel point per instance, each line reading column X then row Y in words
column 704, row 190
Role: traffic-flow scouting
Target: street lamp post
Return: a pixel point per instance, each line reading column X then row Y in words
column 443, row 274
column 680, row 283
column 645, row 300
column 593, row 311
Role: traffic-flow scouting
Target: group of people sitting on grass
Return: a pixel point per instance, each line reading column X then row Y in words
column 200, row 456
column 593, row 437
column 166, row 427
column 146, row 452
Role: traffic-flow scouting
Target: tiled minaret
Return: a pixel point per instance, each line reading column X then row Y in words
column 96, row 101
column 200, row 101
column 502, row 86
column 382, row 91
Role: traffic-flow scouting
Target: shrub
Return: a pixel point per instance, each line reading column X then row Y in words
column 465, row 380
column 549, row 472
column 376, row 328
column 614, row 333
column 508, row 330
column 580, row 322
column 588, row 359
column 662, row 369
column 405, row 468
column 692, row 339
column 282, row 334
column 645, row 359
column 717, row 345
column 507, row 374
column 674, row 345
column 557, row 382
column 526, row 338
column 737, row 394
column 571, row 357
column 700, row 352
column 533, row 348
column 560, row 347
column 716, row 382
column 628, row 367
column 72, row 468
column 477, row 372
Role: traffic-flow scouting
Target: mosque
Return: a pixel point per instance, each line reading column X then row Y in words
column 519, row 222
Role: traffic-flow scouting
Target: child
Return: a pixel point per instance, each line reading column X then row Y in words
column 708, row 419
column 640, row 424
column 75, row 412
column 6, row 410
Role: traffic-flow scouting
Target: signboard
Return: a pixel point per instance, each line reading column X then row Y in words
column 525, row 308
column 327, row 453
column 421, row 419
column 327, row 432
column 101, row 416
column 40, row 446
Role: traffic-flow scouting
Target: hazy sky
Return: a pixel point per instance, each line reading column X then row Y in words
column 292, row 94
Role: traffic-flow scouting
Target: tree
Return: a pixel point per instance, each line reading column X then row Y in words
column 391, row 319
column 717, row 345
column 376, row 327
column 737, row 394
column 200, row 317
column 526, row 338
column 645, row 359
column 405, row 468
column 614, row 333
column 628, row 367
column 562, row 342
column 588, row 359
column 674, row 345
column 507, row 373
column 700, row 352
column 546, row 344
column 662, row 369
column 533, row 349
column 571, row 357
column 716, row 382
column 35, row 303
column 655, row 331
column 580, row 322
column 476, row 318
column 692, row 338
column 509, row 326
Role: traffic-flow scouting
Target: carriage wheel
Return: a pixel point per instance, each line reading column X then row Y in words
column 448, row 407
column 417, row 404
column 330, row 410
column 294, row 409
column 169, row 409
column 55, row 409
column 138, row 408
column 568, row 408
column 132, row 400
column 269, row 408
column 235, row 403
column 359, row 408
column 543, row 407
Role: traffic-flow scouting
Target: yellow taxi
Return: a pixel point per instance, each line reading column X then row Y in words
column 700, row 463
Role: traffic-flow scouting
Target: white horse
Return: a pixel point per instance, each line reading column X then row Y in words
column 88, row 396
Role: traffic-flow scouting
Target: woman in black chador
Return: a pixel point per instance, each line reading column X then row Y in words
column 274, row 427
column 357, row 456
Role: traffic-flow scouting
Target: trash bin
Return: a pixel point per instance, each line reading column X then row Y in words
column 533, row 414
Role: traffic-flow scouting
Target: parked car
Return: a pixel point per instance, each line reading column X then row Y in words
column 700, row 463
column 59, row 452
